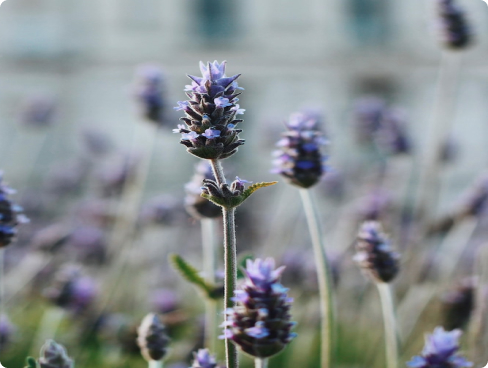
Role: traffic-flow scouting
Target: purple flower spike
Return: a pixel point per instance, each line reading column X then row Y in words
column 374, row 254
column 10, row 215
column 260, row 322
column 203, row 359
column 455, row 31
column 440, row 351
column 149, row 92
column 210, row 113
column 299, row 159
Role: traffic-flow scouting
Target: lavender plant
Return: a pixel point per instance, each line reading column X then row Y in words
column 153, row 340
column 300, row 161
column 440, row 350
column 375, row 257
column 54, row 355
column 260, row 322
column 455, row 31
column 209, row 133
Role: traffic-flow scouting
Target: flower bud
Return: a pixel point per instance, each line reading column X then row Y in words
column 152, row 338
column 54, row 355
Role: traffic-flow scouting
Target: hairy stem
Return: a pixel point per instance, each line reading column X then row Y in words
column 230, row 262
column 209, row 266
column 324, row 276
column 155, row 364
column 261, row 363
column 389, row 320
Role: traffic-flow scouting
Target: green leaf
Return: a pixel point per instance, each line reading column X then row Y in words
column 237, row 200
column 191, row 274
column 241, row 264
column 31, row 362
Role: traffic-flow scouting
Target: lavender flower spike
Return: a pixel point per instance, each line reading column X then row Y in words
column 152, row 338
column 260, row 322
column 210, row 114
column 456, row 33
column 10, row 215
column 149, row 93
column 374, row 254
column 54, row 355
column 440, row 351
column 203, row 359
column 299, row 159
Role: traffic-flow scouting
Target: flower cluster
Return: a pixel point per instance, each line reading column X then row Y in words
column 10, row 215
column 223, row 194
column 374, row 254
column 440, row 351
column 203, row 359
column 210, row 114
column 197, row 206
column 458, row 304
column 299, row 158
column 456, row 33
column 260, row 322
column 54, row 355
column 152, row 338
column 149, row 93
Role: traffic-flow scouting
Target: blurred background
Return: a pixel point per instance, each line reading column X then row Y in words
column 71, row 131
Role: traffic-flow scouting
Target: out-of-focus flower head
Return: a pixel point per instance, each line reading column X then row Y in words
column 89, row 244
column 6, row 331
column 54, row 355
column 149, row 92
column 197, row 206
column 391, row 136
column 458, row 303
column 260, row 322
column 38, row 111
column 71, row 290
column 455, row 31
column 374, row 206
column 10, row 215
column 440, row 350
column 152, row 338
column 164, row 300
column 163, row 210
column 203, row 359
column 114, row 177
column 374, row 254
column 299, row 158
column 96, row 142
column 210, row 120
column 367, row 115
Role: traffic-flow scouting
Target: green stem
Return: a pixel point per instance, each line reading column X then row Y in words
column 155, row 364
column 261, row 363
column 324, row 276
column 389, row 320
column 51, row 319
column 230, row 262
column 209, row 266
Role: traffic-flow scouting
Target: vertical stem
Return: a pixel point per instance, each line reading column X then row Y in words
column 230, row 262
column 324, row 280
column 155, row 364
column 51, row 319
column 261, row 363
column 209, row 267
column 2, row 291
column 389, row 321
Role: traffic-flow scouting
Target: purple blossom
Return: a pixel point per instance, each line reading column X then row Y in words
column 203, row 359
column 10, row 215
column 211, row 133
column 212, row 107
column 260, row 321
column 149, row 92
column 440, row 351
column 299, row 159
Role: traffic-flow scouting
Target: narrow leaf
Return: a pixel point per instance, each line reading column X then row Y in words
column 190, row 274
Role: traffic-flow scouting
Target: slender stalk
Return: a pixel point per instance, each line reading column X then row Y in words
column 2, row 291
column 261, row 363
column 155, row 364
column 324, row 276
column 48, row 327
column 389, row 320
column 209, row 267
column 230, row 262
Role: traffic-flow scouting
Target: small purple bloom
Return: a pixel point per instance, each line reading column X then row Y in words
column 189, row 136
column 10, row 215
column 182, row 105
column 203, row 359
column 222, row 102
column 211, row 133
column 440, row 351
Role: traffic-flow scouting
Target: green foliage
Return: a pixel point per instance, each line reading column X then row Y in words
column 31, row 362
column 192, row 275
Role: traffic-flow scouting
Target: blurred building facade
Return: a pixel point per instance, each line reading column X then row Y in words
column 292, row 54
